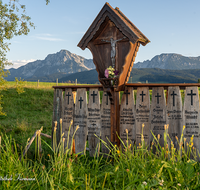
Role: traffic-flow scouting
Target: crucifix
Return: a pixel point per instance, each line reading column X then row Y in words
column 158, row 96
column 113, row 49
column 173, row 94
column 68, row 95
column 192, row 96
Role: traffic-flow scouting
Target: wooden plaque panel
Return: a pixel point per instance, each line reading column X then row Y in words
column 57, row 113
column 127, row 117
column 142, row 115
column 80, row 119
column 174, row 114
column 191, row 114
column 68, row 112
column 105, row 122
column 158, row 114
column 94, row 120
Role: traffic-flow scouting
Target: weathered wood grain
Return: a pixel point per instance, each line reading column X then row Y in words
column 158, row 115
column 94, row 121
column 80, row 120
column 57, row 113
column 174, row 114
column 127, row 118
column 68, row 113
column 142, row 115
column 105, row 122
column 191, row 115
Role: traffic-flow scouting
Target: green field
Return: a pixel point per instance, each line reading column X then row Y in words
column 138, row 169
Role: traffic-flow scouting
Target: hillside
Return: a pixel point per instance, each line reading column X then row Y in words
column 142, row 75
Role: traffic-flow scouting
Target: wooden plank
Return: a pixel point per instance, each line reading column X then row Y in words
column 114, row 118
column 135, row 85
column 93, row 121
column 105, row 122
column 80, row 119
column 174, row 114
column 142, row 115
column 192, row 116
column 127, row 118
column 68, row 112
column 158, row 115
column 57, row 113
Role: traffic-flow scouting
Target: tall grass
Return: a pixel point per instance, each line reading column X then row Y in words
column 127, row 167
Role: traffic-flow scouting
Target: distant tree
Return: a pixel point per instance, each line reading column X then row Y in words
column 13, row 22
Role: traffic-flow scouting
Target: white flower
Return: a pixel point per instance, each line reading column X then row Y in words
column 144, row 183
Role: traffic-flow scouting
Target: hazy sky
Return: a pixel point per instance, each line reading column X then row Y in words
column 172, row 26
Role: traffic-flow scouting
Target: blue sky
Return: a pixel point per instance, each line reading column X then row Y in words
column 172, row 26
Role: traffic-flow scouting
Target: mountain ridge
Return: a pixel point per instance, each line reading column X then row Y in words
column 65, row 64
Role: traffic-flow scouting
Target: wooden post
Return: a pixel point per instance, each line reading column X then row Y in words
column 114, row 117
column 57, row 82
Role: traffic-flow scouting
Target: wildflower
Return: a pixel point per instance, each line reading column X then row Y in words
column 192, row 138
column 158, row 136
column 144, row 183
column 127, row 170
column 116, row 168
column 165, row 126
column 179, row 184
column 115, row 145
column 126, row 131
column 48, row 155
column 77, row 127
column 116, row 72
column 56, row 123
column 60, row 120
column 143, row 125
column 106, row 73
column 118, row 151
column 161, row 184
column 71, row 122
column 191, row 145
column 183, row 127
column 176, row 138
column 184, row 139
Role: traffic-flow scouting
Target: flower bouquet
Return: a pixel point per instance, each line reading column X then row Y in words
column 111, row 75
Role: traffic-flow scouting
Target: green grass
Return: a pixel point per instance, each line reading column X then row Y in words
column 128, row 169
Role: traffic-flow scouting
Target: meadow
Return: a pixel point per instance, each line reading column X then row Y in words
column 130, row 168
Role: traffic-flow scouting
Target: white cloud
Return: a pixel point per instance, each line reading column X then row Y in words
column 47, row 37
column 19, row 63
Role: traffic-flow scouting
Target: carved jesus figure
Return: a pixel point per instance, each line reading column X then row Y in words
column 113, row 49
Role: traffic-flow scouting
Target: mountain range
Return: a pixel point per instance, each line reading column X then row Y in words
column 67, row 66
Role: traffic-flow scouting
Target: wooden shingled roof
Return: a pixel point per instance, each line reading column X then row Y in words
column 121, row 22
